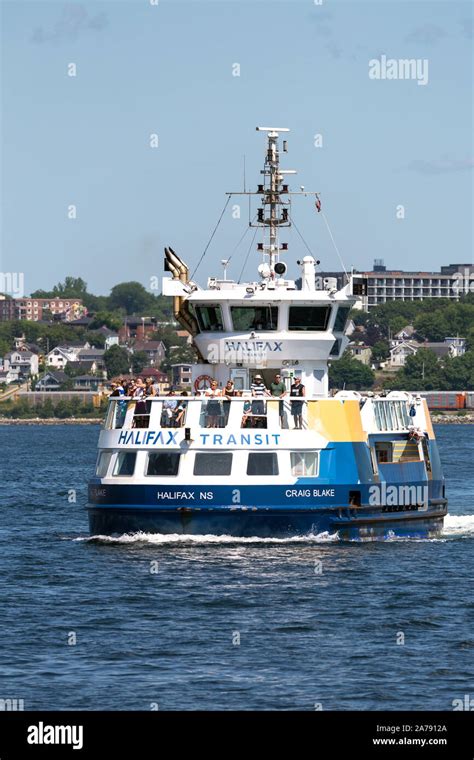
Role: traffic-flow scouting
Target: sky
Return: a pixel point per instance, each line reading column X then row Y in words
column 394, row 169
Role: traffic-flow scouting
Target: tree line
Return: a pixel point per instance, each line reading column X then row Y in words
column 433, row 320
column 125, row 299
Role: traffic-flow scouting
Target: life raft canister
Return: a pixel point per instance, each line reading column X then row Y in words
column 202, row 382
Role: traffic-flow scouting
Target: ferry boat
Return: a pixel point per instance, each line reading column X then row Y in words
column 300, row 462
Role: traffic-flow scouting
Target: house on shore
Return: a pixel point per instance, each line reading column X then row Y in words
column 51, row 381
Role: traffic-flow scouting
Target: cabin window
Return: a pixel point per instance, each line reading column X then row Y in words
column 103, row 463
column 384, row 452
column 215, row 463
column 125, row 463
column 163, row 463
column 304, row 463
column 262, row 463
column 309, row 317
column 336, row 347
column 341, row 316
column 246, row 318
column 209, row 318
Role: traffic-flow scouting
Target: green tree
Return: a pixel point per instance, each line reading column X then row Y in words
column 359, row 317
column 110, row 319
column 380, row 351
column 432, row 326
column 422, row 372
column 132, row 297
column 139, row 361
column 117, row 361
column 95, row 338
column 459, row 372
column 4, row 347
column 72, row 287
column 396, row 324
column 46, row 409
column 469, row 335
column 421, row 363
column 350, row 374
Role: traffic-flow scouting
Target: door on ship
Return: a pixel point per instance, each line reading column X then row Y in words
column 268, row 375
column 240, row 378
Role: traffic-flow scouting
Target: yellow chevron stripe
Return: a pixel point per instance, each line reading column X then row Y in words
column 336, row 420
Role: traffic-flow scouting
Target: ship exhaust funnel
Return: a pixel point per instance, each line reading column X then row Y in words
column 308, row 273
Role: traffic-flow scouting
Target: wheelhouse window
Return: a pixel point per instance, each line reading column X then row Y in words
column 313, row 318
column 341, row 317
column 163, row 463
column 209, row 318
column 125, row 463
column 103, row 463
column 247, row 318
column 304, row 463
column 262, row 463
column 336, row 347
column 216, row 463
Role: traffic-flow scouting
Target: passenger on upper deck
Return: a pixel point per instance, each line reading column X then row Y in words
column 259, row 391
column 213, row 409
column 169, row 409
column 180, row 413
column 140, row 418
column 229, row 393
column 297, row 389
column 150, row 389
column 278, row 389
column 117, row 390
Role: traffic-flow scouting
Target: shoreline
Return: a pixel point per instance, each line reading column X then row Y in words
column 50, row 421
column 436, row 419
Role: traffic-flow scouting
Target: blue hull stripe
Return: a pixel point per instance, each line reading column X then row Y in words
column 300, row 495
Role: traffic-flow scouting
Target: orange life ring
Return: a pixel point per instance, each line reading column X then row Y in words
column 202, row 382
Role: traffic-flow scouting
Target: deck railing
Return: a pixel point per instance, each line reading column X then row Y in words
column 180, row 411
column 385, row 415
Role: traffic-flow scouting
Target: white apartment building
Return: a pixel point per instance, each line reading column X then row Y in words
column 452, row 281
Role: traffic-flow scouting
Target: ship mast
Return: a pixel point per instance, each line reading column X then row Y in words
column 273, row 212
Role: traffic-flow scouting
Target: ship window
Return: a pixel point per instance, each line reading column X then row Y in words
column 262, row 463
column 336, row 347
column 309, row 317
column 247, row 318
column 209, row 318
column 103, row 463
column 163, row 463
column 384, row 452
column 341, row 317
column 213, row 464
column 125, row 463
column 304, row 463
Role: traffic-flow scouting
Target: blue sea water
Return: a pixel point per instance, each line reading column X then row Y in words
column 205, row 623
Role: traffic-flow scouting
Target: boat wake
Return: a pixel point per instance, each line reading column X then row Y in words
column 458, row 526
column 176, row 538
column 455, row 527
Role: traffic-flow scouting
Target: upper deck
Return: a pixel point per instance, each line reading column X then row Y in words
column 201, row 421
column 144, row 440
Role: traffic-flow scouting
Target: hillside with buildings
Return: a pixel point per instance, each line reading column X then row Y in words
column 70, row 343
column 413, row 331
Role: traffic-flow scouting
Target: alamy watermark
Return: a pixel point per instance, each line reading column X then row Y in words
column 12, row 284
column 462, row 282
column 383, row 495
column 399, row 68
column 467, row 703
column 12, row 705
